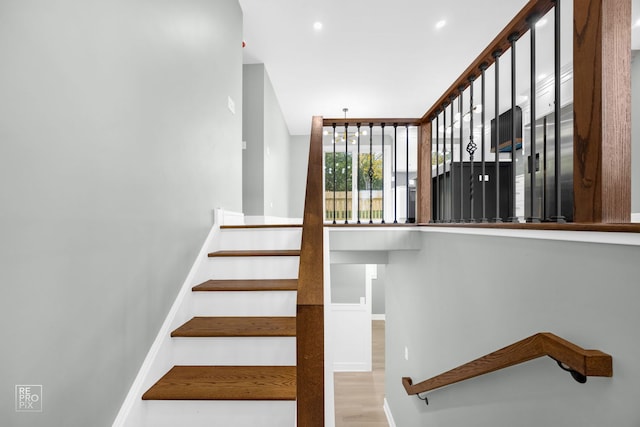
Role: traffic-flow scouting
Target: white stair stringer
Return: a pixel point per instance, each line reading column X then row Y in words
column 269, row 351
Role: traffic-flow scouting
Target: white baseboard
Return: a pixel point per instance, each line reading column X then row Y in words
column 387, row 412
column 378, row 317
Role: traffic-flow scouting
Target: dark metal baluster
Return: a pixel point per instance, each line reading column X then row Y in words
column 558, row 217
column 471, row 149
column 346, row 173
column 496, row 55
column 370, row 173
column 395, row 173
column 334, row 173
column 407, row 177
column 483, row 69
column 532, row 103
column 357, row 174
column 437, row 203
column 451, row 176
column 545, row 167
column 441, row 203
column 383, row 125
column 512, row 39
column 460, row 106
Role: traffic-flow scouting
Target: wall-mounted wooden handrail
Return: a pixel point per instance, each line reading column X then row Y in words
column 580, row 362
column 310, row 299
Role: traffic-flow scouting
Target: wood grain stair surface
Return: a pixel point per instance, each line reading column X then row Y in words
column 225, row 383
column 256, row 253
column 247, row 285
column 237, row 327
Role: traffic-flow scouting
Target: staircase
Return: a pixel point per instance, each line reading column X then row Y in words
column 233, row 362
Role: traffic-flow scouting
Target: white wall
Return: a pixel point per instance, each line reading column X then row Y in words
column 266, row 159
column 463, row 296
column 116, row 145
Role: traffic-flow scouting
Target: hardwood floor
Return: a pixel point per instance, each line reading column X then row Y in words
column 359, row 396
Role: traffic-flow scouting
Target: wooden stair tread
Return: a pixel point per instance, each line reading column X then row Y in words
column 237, row 327
column 251, row 226
column 256, row 253
column 247, row 285
column 225, row 383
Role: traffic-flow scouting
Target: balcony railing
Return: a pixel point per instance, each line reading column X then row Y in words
column 376, row 160
column 546, row 140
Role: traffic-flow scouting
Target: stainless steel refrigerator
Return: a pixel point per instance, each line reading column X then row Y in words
column 544, row 201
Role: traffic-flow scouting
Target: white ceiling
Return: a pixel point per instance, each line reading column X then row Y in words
column 379, row 58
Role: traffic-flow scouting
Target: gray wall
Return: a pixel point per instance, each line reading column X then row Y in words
column 298, row 163
column 266, row 159
column 378, row 290
column 347, row 283
column 635, row 132
column 253, row 136
column 115, row 146
column 446, row 316
column 276, row 145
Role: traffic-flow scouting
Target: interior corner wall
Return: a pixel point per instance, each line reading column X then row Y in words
column 116, row 146
column 635, row 132
column 276, row 154
column 266, row 158
column 298, row 163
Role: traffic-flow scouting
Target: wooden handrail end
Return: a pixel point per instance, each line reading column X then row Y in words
column 407, row 382
column 598, row 364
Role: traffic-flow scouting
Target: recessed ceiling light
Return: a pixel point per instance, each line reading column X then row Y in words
column 317, row 26
column 637, row 24
column 440, row 24
column 541, row 23
column 542, row 77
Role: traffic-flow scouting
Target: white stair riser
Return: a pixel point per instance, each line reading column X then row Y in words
column 232, row 351
column 284, row 267
column 256, row 303
column 260, row 239
column 218, row 413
